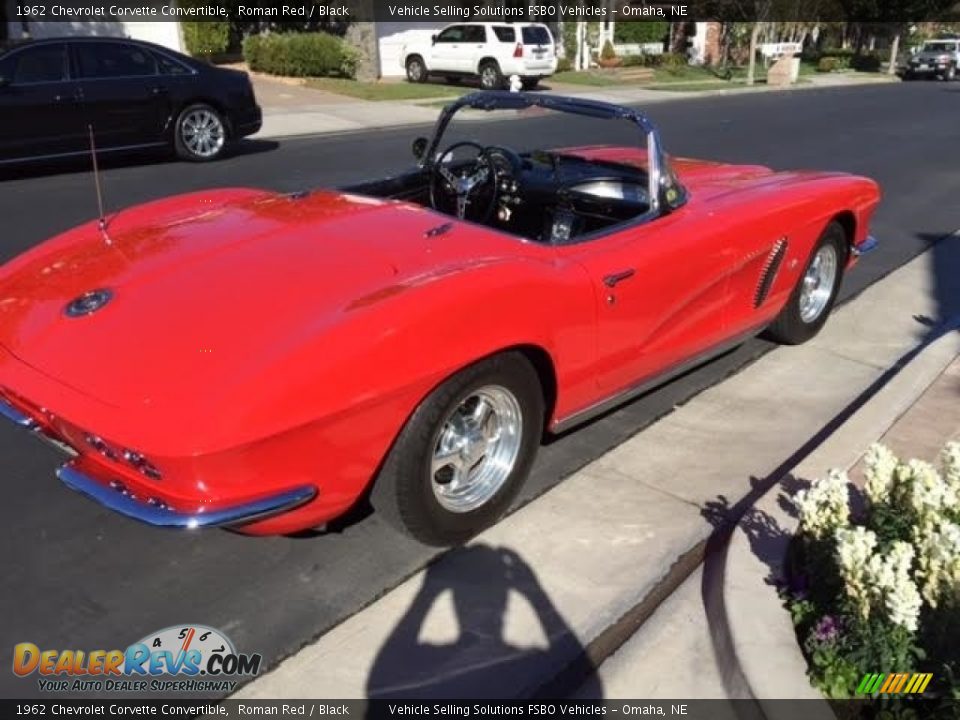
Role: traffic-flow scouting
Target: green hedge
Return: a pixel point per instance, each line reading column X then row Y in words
column 206, row 38
column 640, row 32
column 309, row 54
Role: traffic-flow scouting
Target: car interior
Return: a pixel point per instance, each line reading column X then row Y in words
column 544, row 196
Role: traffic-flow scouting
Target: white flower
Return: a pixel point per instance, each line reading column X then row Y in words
column 824, row 507
column 920, row 489
column 939, row 562
column 890, row 586
column 880, row 464
column 854, row 551
column 950, row 462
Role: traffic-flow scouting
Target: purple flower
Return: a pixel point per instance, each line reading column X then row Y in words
column 827, row 629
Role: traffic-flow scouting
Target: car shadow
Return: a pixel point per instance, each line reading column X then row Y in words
column 110, row 161
column 473, row 658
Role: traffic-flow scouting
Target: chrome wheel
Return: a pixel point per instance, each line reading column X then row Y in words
column 202, row 132
column 476, row 449
column 489, row 77
column 818, row 282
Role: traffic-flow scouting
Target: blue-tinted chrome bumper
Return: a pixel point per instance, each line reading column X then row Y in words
column 869, row 243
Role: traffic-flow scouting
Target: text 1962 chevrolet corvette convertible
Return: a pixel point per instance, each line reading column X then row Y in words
column 258, row 360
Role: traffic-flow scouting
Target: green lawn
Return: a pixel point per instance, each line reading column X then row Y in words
column 385, row 90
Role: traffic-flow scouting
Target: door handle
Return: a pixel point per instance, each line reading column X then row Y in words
column 613, row 278
column 158, row 90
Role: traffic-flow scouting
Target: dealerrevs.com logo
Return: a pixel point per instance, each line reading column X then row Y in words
column 182, row 658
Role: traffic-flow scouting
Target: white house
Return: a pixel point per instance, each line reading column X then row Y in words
column 160, row 32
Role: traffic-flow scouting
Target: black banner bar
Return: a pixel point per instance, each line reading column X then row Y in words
column 312, row 11
column 376, row 709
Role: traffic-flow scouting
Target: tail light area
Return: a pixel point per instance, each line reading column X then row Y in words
column 518, row 51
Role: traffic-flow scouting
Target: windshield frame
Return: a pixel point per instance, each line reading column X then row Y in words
column 660, row 177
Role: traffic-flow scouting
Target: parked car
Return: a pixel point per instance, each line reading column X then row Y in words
column 261, row 360
column 937, row 58
column 491, row 52
column 133, row 94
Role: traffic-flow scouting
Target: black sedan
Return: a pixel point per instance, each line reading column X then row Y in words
column 133, row 95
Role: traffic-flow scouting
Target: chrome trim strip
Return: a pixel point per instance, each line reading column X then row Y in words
column 622, row 397
column 121, row 501
column 869, row 243
column 75, row 153
column 11, row 413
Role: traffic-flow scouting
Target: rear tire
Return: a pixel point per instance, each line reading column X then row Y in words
column 813, row 298
column 200, row 134
column 490, row 76
column 416, row 69
column 464, row 453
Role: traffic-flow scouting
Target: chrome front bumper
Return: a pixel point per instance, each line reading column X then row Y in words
column 153, row 511
column 869, row 243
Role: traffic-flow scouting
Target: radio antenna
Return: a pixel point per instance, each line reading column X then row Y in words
column 102, row 222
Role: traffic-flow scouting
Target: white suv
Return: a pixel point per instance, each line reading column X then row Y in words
column 492, row 51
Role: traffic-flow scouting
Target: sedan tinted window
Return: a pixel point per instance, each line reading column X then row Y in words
column 505, row 34
column 46, row 63
column 169, row 66
column 106, row 60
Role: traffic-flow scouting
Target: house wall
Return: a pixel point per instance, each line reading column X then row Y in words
column 162, row 33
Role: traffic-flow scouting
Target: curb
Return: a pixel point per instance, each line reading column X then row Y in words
column 771, row 661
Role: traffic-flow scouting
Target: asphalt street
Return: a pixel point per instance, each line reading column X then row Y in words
column 80, row 577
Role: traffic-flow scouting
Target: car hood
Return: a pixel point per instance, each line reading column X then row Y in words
column 205, row 286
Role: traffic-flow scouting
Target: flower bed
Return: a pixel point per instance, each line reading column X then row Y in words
column 876, row 589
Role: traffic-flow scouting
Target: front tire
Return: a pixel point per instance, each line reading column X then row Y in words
column 813, row 298
column 200, row 134
column 464, row 453
column 416, row 69
column 490, row 76
column 950, row 74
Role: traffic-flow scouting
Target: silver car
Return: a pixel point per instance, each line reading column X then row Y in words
column 937, row 58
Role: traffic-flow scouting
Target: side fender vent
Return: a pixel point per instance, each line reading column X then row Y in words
column 770, row 270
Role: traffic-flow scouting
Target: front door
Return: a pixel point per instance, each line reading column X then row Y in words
column 661, row 291
column 448, row 50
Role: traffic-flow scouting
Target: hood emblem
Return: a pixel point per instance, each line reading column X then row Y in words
column 88, row 303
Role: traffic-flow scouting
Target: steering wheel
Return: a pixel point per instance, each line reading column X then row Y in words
column 476, row 182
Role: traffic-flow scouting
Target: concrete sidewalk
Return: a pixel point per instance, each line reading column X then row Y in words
column 504, row 615
column 290, row 108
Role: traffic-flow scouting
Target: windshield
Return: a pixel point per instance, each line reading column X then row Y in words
column 939, row 47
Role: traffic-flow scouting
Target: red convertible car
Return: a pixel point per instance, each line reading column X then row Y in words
column 261, row 361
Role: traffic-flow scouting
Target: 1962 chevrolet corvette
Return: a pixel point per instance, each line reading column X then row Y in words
column 258, row 360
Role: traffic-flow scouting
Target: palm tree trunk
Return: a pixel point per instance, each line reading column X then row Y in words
column 752, row 62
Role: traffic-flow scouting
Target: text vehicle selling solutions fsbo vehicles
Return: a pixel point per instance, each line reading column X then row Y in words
column 259, row 360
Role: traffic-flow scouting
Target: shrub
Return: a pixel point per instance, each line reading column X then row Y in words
column 826, row 64
column 634, row 60
column 564, row 64
column 313, row 54
column 673, row 60
column 880, row 589
column 608, row 53
column 868, row 62
column 206, row 38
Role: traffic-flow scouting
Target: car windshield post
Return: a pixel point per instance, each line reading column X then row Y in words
column 657, row 177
